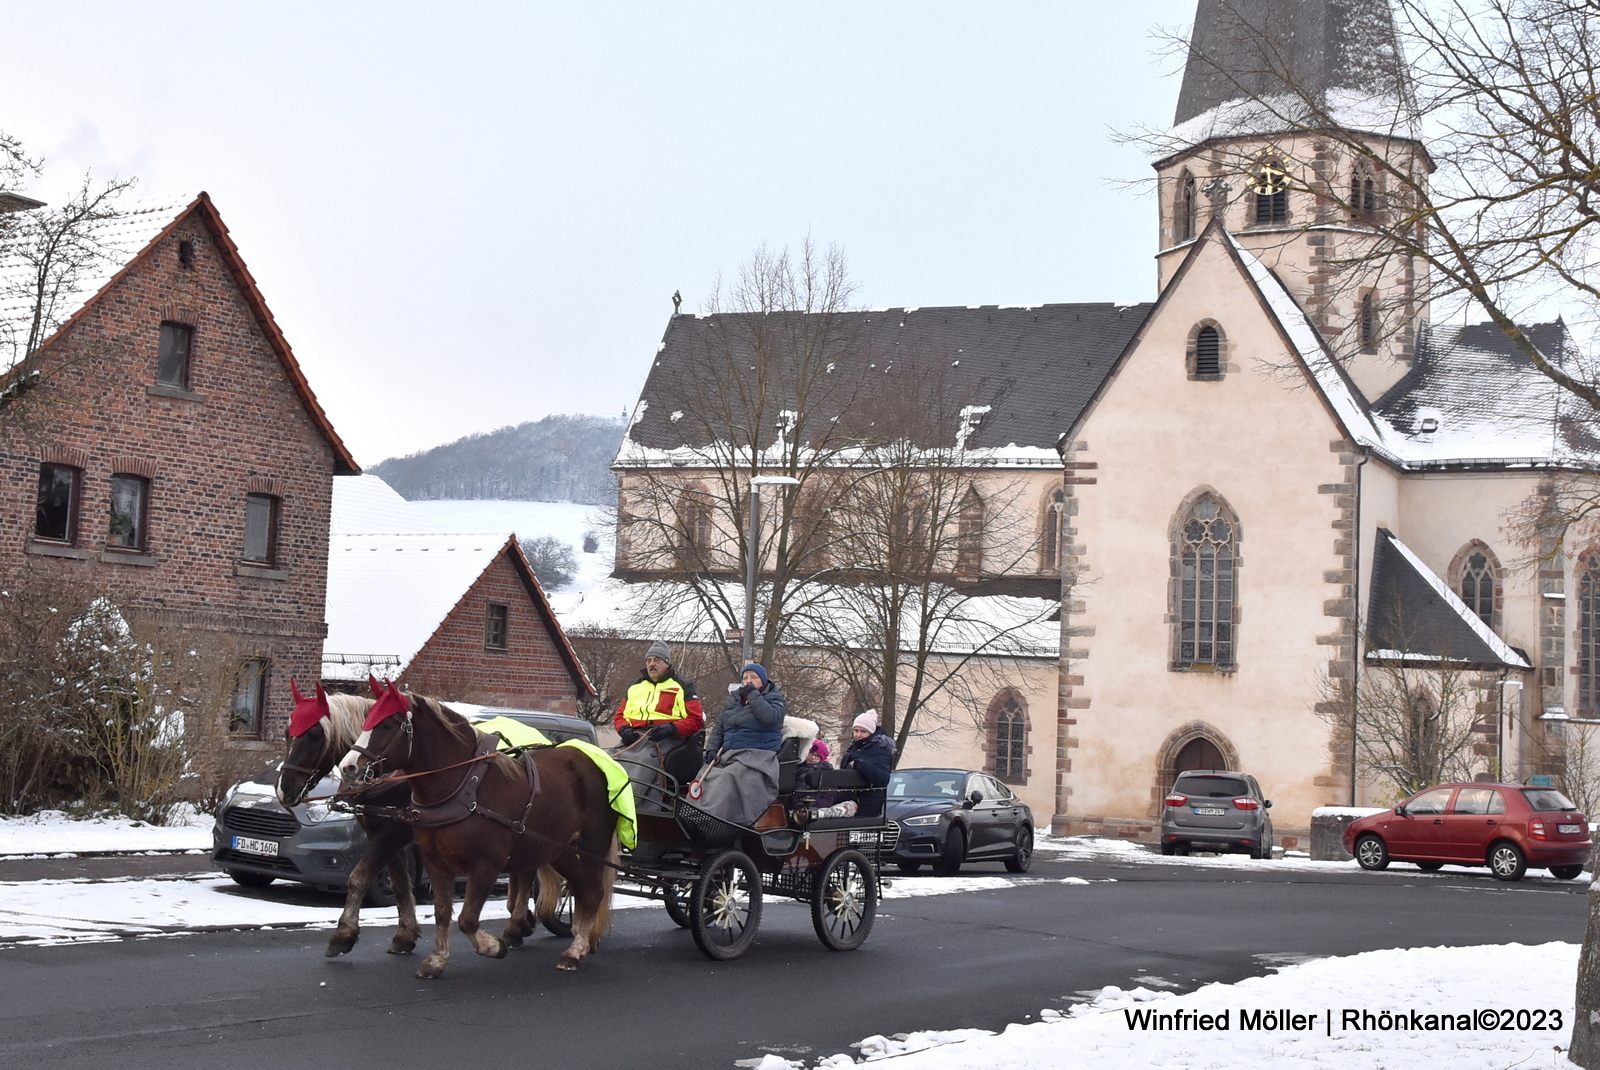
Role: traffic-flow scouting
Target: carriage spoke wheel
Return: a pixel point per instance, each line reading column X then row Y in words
column 725, row 908
column 560, row 921
column 845, row 901
column 675, row 896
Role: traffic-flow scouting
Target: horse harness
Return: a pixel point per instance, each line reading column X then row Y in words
column 462, row 803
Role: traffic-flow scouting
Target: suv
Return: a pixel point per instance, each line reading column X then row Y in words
column 1218, row 810
column 1507, row 827
column 256, row 840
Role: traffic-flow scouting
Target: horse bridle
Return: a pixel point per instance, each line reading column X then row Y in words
column 377, row 758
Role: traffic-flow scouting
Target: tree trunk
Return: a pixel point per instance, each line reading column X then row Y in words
column 1585, row 1047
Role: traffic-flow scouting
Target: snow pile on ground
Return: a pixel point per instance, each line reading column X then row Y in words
column 1120, row 1029
column 52, row 832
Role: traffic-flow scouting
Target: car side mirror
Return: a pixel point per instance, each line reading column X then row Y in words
column 1266, row 804
column 971, row 800
column 1400, row 811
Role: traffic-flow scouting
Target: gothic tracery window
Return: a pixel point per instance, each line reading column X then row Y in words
column 1589, row 637
column 1363, row 196
column 1185, row 213
column 1477, row 586
column 1010, row 738
column 969, row 535
column 1050, row 538
column 1206, row 556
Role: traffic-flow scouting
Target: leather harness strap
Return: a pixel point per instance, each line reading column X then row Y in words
column 463, row 802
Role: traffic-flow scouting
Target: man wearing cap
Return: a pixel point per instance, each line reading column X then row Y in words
column 659, row 704
column 752, row 718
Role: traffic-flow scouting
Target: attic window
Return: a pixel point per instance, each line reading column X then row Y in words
column 172, row 361
column 1427, row 425
column 186, row 253
column 1207, row 352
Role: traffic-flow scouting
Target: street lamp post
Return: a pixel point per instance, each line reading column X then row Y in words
column 752, row 556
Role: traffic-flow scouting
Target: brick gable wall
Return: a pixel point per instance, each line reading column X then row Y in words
column 529, row 674
column 241, row 427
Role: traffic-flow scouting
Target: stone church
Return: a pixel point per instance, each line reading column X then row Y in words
column 1260, row 492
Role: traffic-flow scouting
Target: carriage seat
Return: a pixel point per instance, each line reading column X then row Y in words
column 788, row 764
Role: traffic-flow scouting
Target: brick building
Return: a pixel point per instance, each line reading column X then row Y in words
column 456, row 615
column 178, row 461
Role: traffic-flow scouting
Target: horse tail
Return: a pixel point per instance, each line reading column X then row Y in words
column 608, row 880
column 550, row 883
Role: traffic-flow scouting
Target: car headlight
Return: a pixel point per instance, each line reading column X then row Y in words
column 925, row 819
column 316, row 811
column 250, row 790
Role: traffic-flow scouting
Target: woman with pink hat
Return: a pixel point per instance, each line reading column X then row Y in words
column 872, row 755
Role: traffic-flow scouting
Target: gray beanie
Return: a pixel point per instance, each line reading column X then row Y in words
column 660, row 650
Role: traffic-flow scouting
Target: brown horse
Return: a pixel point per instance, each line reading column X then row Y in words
column 320, row 732
column 481, row 814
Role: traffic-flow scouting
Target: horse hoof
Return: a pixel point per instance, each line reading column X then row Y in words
column 512, row 940
column 567, row 962
column 499, row 950
column 401, row 946
column 337, row 947
column 429, row 971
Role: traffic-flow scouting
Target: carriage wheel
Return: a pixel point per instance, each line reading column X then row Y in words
column 675, row 895
column 845, row 901
column 558, row 923
column 725, row 908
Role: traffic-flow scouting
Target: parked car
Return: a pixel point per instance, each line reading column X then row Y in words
column 257, row 840
column 951, row 816
column 1219, row 810
column 1507, row 827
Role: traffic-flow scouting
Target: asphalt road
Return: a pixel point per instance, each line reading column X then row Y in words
column 650, row 1000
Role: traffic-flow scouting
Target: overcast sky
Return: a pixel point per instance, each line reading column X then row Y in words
column 471, row 215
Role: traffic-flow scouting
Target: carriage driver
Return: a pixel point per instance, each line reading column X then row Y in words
column 659, row 705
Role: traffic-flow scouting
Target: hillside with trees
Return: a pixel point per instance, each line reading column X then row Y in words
column 556, row 459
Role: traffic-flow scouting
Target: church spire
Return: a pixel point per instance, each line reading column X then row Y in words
column 1254, row 64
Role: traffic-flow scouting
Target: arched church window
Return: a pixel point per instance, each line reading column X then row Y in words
column 1363, row 196
column 1206, row 540
column 1477, row 586
column 1055, row 508
column 1185, row 215
column 1207, row 352
column 1269, row 182
column 1367, row 323
column 695, row 531
column 1589, row 637
column 969, row 535
column 1009, row 737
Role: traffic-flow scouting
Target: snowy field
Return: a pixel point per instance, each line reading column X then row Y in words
column 52, row 832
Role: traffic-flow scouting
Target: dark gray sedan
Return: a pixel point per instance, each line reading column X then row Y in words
column 948, row 817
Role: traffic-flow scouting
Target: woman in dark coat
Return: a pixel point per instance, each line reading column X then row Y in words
column 752, row 718
column 871, row 755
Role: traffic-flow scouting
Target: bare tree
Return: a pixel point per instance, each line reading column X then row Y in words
column 759, row 397
column 908, row 532
column 48, row 255
column 552, row 559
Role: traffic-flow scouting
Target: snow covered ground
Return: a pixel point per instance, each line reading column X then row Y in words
column 1378, row 987
column 51, row 832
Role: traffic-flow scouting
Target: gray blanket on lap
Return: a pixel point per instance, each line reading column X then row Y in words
column 739, row 786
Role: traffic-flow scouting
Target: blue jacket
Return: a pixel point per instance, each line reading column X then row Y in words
column 750, row 720
column 872, row 757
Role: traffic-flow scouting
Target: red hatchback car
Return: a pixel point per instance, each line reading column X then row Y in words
column 1507, row 827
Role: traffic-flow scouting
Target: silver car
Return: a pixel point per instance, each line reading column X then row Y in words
column 1218, row 810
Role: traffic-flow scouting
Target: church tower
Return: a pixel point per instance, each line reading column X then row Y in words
column 1294, row 122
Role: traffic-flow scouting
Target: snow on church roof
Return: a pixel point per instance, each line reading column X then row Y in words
column 388, row 593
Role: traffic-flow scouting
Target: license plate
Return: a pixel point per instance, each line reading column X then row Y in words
column 255, row 847
column 1569, row 829
column 1209, row 811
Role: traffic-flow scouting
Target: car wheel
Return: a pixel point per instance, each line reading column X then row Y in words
column 1022, row 857
column 908, row 868
column 954, row 853
column 1565, row 873
column 246, row 879
column 1507, row 862
column 1430, row 867
column 380, row 891
column 1371, row 852
column 1262, row 852
column 1169, row 848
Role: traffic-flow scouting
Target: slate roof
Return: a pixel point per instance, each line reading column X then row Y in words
column 1472, row 399
column 1243, row 53
column 1035, row 366
column 1413, row 615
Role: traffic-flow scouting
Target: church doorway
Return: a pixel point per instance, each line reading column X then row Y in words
column 1199, row 753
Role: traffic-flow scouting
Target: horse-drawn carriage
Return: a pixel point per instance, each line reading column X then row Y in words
column 712, row 874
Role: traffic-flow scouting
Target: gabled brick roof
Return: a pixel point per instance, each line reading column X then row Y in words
column 142, row 227
column 1035, row 366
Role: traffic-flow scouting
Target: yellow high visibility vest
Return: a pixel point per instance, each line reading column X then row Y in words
column 650, row 701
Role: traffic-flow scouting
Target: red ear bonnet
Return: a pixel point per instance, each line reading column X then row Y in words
column 391, row 703
column 307, row 711
column 377, row 688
